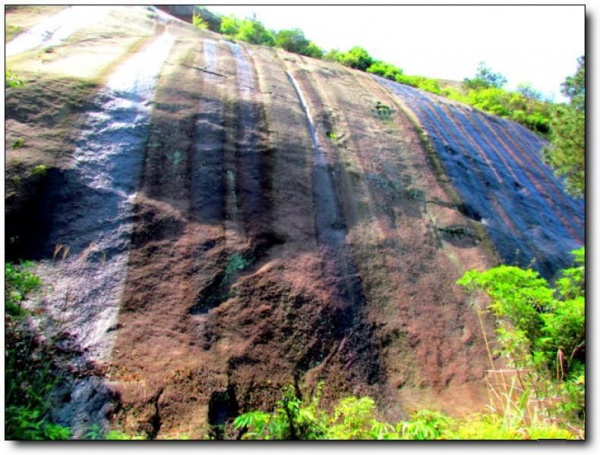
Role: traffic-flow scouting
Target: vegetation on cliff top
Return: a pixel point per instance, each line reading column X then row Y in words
column 563, row 125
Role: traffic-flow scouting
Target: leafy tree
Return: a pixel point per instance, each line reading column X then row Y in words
column 312, row 50
column 566, row 154
column 294, row 41
column 230, row 25
column 529, row 92
column 249, row 30
column 485, row 78
column 334, row 55
column 356, row 58
column 291, row 40
column 254, row 32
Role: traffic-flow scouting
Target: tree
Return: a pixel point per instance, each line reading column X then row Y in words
column 485, row 78
column 254, row 32
column 566, row 153
column 357, row 58
column 291, row 40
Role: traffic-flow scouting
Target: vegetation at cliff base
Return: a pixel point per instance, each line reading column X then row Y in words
column 541, row 336
column 30, row 373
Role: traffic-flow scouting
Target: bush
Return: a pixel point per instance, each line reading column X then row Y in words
column 356, row 58
column 12, row 80
column 420, row 82
column 30, row 373
column 385, row 70
column 541, row 330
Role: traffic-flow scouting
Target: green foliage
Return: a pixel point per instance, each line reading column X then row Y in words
column 19, row 281
column 312, row 50
column 29, row 379
column 249, row 30
column 525, row 105
column 12, row 80
column 292, row 419
column 26, row 424
column 40, row 170
column 495, row 426
column 294, row 41
column 356, row 58
column 199, row 22
column 353, row 418
column 117, row 435
column 566, row 153
column 426, row 425
column 230, row 25
column 291, row 40
column 19, row 142
column 237, row 263
column 420, row 82
column 211, row 20
column 386, row 70
column 529, row 92
column 541, row 329
column 484, row 78
column 333, row 55
column 574, row 86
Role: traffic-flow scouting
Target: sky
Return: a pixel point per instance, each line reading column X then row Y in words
column 536, row 45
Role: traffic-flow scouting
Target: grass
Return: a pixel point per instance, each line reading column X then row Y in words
column 11, row 31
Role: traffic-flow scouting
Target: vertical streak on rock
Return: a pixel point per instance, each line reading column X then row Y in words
column 329, row 221
column 92, row 204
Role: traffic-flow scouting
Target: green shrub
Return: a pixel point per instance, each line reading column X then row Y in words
column 385, row 70
column 12, row 80
column 541, row 330
column 199, row 22
column 356, row 58
column 19, row 142
column 40, row 170
column 30, row 373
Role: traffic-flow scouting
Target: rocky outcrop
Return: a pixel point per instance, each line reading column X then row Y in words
column 229, row 219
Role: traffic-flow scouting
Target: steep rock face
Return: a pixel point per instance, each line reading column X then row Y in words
column 227, row 219
column 496, row 168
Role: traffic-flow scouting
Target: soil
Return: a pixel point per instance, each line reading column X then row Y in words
column 256, row 242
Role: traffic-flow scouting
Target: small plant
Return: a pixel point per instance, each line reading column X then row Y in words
column 40, row 170
column 95, row 432
column 237, row 263
column 19, row 281
column 383, row 111
column 20, row 142
column 12, row 80
column 199, row 22
column 425, row 425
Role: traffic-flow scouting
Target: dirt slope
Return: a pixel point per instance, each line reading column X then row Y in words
column 217, row 220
